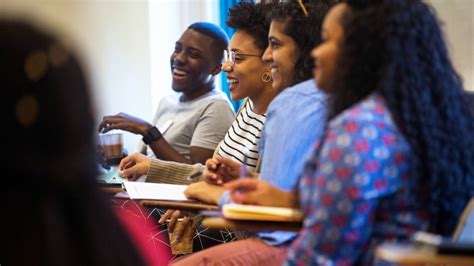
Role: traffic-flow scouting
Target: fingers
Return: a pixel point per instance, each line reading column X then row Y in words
column 210, row 176
column 173, row 220
column 134, row 166
column 211, row 164
column 228, row 162
column 107, row 121
column 192, row 190
column 181, row 230
column 241, row 198
column 242, row 184
column 220, row 170
column 227, row 174
column 188, row 191
column 112, row 126
column 131, row 173
column 210, row 172
column 129, row 165
column 126, row 162
column 101, row 126
column 166, row 216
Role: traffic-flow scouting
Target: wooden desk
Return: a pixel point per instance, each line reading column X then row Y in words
column 407, row 254
column 112, row 189
column 178, row 205
column 253, row 226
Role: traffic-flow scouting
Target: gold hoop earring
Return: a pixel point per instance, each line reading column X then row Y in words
column 266, row 77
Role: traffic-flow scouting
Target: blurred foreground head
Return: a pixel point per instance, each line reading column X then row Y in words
column 50, row 119
column 55, row 213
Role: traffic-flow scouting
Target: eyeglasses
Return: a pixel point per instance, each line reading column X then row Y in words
column 231, row 56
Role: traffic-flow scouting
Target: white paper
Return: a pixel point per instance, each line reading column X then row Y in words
column 155, row 191
column 122, row 195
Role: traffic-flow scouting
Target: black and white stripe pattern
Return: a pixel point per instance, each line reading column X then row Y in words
column 244, row 134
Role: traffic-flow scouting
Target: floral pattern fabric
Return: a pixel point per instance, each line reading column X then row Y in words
column 357, row 190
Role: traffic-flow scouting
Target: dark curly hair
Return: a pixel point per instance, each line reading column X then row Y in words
column 251, row 18
column 304, row 30
column 221, row 40
column 396, row 48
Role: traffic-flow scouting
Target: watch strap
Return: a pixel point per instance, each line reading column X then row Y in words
column 153, row 135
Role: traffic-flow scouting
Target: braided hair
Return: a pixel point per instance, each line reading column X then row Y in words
column 396, row 48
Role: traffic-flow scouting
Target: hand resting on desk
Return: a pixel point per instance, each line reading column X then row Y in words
column 258, row 192
column 205, row 192
column 134, row 166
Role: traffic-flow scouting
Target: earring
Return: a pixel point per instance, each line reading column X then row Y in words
column 266, row 77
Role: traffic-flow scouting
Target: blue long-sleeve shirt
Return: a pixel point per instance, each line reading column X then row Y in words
column 295, row 120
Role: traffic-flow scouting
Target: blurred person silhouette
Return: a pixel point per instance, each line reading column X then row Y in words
column 56, row 214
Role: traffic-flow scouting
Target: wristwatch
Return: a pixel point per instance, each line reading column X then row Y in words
column 152, row 135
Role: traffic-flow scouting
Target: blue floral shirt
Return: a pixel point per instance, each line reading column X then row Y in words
column 357, row 190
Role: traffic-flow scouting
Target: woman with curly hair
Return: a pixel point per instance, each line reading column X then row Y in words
column 397, row 155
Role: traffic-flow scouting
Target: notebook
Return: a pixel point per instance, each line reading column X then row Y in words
column 155, row 191
column 443, row 245
column 261, row 213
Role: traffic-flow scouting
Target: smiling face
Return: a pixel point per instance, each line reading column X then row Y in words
column 282, row 53
column 326, row 55
column 193, row 63
column 245, row 75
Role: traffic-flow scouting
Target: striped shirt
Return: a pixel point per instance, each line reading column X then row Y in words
column 244, row 134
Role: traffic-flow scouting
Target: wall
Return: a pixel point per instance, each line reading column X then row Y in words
column 112, row 37
column 458, row 19
column 168, row 19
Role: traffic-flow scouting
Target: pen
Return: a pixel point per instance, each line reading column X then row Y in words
column 191, row 177
column 179, row 220
column 243, row 168
column 199, row 173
